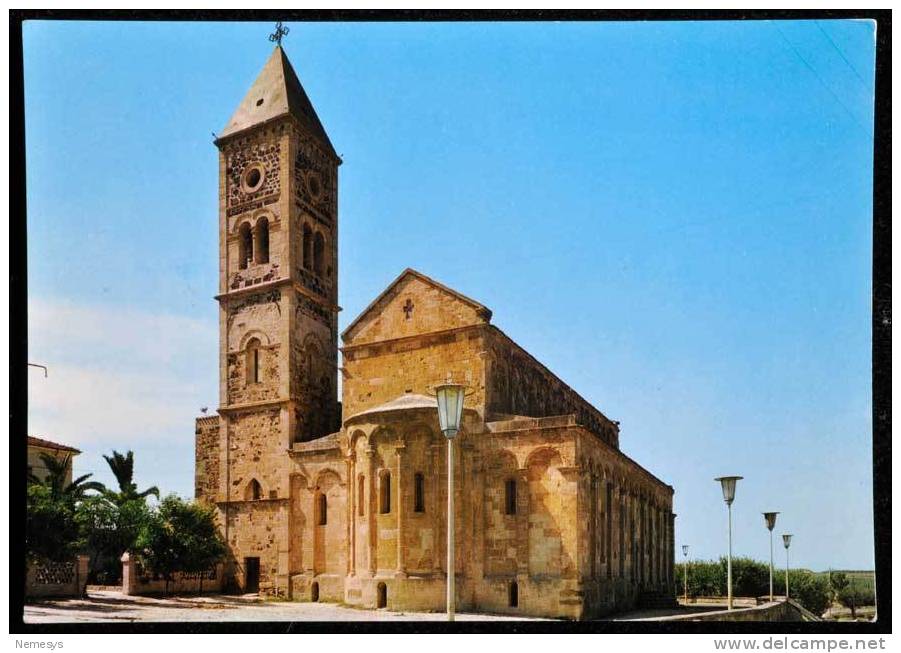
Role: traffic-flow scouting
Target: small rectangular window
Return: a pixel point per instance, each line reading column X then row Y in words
column 361, row 498
column 510, row 498
column 418, row 492
column 323, row 510
column 385, row 494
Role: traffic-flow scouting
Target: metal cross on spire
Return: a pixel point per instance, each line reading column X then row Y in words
column 279, row 33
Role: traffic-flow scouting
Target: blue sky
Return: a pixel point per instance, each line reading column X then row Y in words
column 675, row 217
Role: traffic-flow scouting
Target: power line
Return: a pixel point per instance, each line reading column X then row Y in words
column 817, row 75
column 841, row 54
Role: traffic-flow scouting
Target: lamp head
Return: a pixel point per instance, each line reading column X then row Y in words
column 787, row 539
column 728, row 484
column 450, row 408
column 685, row 550
column 770, row 518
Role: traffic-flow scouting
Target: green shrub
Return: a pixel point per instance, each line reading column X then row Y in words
column 752, row 578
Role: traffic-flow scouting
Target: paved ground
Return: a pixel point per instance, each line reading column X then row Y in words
column 109, row 606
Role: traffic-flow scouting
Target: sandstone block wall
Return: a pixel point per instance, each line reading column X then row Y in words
column 517, row 384
column 206, row 458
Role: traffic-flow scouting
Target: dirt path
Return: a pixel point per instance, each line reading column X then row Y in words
column 108, row 606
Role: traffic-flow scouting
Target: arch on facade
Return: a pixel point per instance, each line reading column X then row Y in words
column 550, row 548
column 543, row 455
column 253, row 334
column 357, row 438
column 253, row 491
column 326, row 479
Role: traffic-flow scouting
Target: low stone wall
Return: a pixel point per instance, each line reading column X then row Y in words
column 136, row 581
column 57, row 579
column 775, row 611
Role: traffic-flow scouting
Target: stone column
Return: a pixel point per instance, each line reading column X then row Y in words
column 672, row 547
column 352, row 513
column 653, row 543
column 371, row 505
column 400, row 571
column 438, row 554
column 664, row 538
column 129, row 579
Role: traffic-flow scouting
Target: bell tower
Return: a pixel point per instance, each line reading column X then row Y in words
column 278, row 278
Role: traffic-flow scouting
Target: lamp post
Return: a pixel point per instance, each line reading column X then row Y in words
column 450, row 411
column 728, row 485
column 770, row 518
column 685, row 574
column 786, row 540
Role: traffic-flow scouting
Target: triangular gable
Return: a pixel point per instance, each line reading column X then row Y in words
column 277, row 91
column 412, row 304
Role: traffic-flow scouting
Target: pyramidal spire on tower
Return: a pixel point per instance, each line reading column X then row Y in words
column 276, row 92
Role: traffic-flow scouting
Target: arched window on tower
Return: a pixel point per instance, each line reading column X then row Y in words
column 252, row 361
column 307, row 247
column 261, row 241
column 318, row 254
column 254, row 491
column 245, row 245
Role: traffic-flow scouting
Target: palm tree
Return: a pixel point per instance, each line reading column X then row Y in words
column 57, row 470
column 123, row 468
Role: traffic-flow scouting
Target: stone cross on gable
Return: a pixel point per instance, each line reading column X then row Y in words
column 408, row 308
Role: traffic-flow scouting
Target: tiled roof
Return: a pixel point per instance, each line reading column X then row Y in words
column 47, row 444
column 403, row 402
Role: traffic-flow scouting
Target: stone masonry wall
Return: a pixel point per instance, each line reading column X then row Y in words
column 518, row 384
column 206, row 458
column 375, row 374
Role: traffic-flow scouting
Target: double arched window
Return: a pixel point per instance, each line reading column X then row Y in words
column 313, row 251
column 253, row 244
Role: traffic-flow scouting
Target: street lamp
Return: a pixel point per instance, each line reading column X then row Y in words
column 450, row 411
column 685, row 553
column 728, row 484
column 786, row 540
column 770, row 518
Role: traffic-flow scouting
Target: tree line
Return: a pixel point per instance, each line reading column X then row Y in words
column 750, row 577
column 64, row 519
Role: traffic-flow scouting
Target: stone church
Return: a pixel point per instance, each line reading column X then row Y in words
column 322, row 499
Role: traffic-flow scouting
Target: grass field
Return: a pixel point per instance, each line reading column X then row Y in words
column 861, row 579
